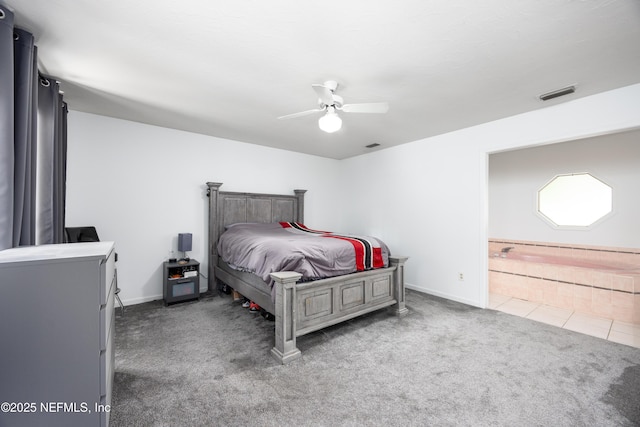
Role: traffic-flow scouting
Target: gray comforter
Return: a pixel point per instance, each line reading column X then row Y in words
column 266, row 248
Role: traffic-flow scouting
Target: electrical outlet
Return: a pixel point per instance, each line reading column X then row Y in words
column 461, row 277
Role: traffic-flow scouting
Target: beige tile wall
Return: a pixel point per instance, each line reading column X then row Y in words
column 614, row 294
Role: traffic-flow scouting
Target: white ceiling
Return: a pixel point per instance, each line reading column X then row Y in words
column 230, row 68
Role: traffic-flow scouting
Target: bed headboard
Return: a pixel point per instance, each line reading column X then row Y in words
column 226, row 207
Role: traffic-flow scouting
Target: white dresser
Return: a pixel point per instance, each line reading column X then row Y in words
column 56, row 334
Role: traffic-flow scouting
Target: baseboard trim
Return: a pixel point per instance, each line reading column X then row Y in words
column 442, row 295
column 141, row 300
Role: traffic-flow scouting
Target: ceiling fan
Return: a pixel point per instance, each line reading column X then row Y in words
column 330, row 103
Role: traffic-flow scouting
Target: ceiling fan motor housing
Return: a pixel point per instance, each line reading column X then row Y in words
column 337, row 101
column 331, row 85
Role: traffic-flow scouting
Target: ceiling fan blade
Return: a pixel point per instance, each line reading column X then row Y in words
column 371, row 107
column 300, row 114
column 324, row 94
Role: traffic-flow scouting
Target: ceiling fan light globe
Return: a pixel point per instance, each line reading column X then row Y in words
column 330, row 122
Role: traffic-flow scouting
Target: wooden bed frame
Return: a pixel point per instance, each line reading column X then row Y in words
column 299, row 308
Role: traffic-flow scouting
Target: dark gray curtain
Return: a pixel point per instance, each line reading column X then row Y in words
column 25, row 150
column 25, row 124
column 6, row 129
column 52, row 164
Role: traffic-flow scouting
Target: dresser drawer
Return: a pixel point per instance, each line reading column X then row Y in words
column 109, row 271
column 107, row 313
column 107, row 365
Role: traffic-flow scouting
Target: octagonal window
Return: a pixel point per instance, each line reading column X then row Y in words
column 575, row 200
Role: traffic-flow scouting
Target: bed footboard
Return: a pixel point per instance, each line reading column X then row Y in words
column 301, row 308
column 400, row 308
column 284, row 349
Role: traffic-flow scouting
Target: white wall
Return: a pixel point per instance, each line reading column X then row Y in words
column 141, row 185
column 516, row 176
column 427, row 199
column 423, row 200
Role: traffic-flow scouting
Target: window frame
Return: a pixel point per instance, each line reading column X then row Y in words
column 548, row 220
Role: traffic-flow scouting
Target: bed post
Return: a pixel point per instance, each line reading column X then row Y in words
column 399, row 308
column 285, row 350
column 300, row 196
column 212, row 193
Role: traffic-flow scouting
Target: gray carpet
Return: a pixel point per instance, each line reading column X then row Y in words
column 207, row 363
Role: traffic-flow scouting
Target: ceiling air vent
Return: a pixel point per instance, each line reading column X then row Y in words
column 556, row 93
column 375, row 144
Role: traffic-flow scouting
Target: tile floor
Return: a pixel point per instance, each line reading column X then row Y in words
column 612, row 330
